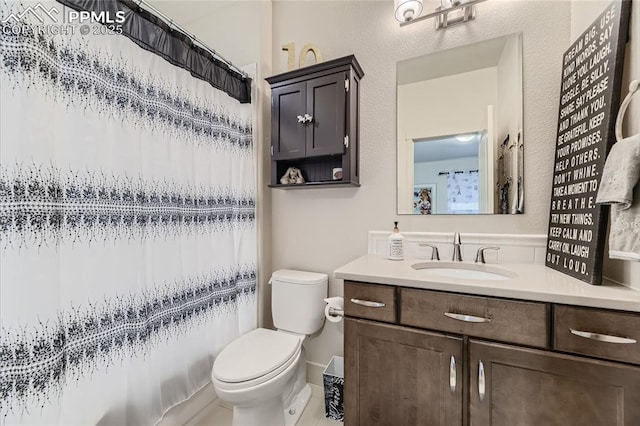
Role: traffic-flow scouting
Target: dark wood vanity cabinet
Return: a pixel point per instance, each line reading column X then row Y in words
column 315, row 123
column 514, row 385
column 453, row 359
column 400, row 376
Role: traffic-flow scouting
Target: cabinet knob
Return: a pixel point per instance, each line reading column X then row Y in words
column 304, row 119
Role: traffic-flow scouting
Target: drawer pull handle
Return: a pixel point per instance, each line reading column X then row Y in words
column 466, row 318
column 452, row 374
column 368, row 303
column 602, row 337
column 481, row 381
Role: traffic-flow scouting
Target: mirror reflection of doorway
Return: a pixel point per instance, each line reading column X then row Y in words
column 448, row 172
column 471, row 89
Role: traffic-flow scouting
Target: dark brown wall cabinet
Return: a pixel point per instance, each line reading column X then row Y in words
column 315, row 123
column 420, row 357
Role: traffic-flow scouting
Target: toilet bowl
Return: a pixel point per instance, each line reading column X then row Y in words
column 254, row 372
column 263, row 372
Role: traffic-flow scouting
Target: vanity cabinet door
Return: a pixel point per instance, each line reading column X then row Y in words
column 518, row 386
column 401, row 376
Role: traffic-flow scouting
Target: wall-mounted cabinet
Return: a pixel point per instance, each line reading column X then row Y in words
column 315, row 123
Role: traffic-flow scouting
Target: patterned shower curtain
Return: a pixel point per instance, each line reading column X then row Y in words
column 127, row 225
column 463, row 196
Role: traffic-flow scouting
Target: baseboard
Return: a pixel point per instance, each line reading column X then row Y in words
column 314, row 373
column 188, row 412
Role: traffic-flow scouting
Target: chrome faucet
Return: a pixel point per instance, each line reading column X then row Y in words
column 457, row 255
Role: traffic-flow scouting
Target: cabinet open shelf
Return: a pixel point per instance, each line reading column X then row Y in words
column 321, row 184
column 317, row 171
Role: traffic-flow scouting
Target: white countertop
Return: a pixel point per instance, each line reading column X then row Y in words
column 532, row 282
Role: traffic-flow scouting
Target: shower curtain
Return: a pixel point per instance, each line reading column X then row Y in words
column 463, row 193
column 127, row 225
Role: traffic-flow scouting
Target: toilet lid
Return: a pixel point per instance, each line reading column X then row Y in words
column 254, row 354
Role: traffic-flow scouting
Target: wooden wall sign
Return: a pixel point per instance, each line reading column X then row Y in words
column 589, row 100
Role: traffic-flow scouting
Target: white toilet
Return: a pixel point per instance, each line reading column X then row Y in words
column 263, row 372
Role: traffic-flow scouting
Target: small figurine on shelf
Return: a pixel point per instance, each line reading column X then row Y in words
column 292, row 175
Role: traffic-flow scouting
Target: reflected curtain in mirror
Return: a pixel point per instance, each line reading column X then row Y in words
column 462, row 192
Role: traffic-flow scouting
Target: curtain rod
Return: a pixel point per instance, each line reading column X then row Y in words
column 457, row 172
column 193, row 38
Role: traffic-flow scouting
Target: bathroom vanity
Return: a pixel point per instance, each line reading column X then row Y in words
column 535, row 348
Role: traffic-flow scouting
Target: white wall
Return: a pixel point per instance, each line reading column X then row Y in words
column 320, row 229
column 508, row 71
column 448, row 105
column 583, row 13
column 428, row 172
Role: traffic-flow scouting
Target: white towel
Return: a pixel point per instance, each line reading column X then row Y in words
column 619, row 187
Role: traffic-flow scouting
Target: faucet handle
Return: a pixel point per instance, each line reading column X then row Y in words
column 434, row 252
column 456, row 238
column 480, row 254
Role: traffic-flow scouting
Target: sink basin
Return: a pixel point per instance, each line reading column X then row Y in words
column 473, row 271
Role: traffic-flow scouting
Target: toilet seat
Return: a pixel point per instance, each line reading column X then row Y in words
column 254, row 358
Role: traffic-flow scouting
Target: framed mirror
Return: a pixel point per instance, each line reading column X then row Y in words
column 459, row 130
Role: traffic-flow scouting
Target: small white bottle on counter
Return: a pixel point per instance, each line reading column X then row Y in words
column 396, row 244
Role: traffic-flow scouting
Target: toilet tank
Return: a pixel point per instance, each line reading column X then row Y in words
column 297, row 300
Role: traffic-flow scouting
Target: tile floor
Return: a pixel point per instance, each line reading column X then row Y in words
column 313, row 415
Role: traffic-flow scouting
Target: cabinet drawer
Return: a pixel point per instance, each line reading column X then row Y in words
column 596, row 332
column 377, row 302
column 526, row 323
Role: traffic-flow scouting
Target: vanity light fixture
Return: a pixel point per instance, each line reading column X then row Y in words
column 408, row 12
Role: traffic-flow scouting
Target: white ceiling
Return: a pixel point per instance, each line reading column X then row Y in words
column 444, row 148
column 186, row 12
